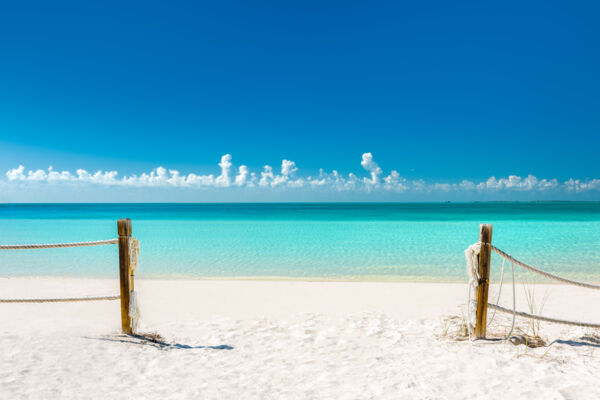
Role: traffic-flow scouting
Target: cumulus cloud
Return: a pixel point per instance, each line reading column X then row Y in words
column 16, row 174
column 243, row 176
column 372, row 167
column 286, row 178
column 266, row 177
column 530, row 182
column 224, row 180
column 395, row 182
column 576, row 185
column 288, row 167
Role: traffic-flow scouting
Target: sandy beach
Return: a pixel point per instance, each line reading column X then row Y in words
column 310, row 200
column 273, row 340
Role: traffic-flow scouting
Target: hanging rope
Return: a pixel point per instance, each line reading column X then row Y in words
column 57, row 245
column 134, row 253
column 542, row 318
column 471, row 255
column 499, row 291
column 514, row 310
column 543, row 273
column 472, row 258
column 134, row 308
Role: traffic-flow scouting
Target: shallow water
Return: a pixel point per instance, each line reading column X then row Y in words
column 423, row 241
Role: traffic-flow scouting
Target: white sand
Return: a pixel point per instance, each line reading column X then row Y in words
column 282, row 340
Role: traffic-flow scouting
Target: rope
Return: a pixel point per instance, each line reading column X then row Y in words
column 499, row 292
column 57, row 245
column 514, row 296
column 543, row 273
column 541, row 318
column 64, row 300
column 471, row 256
column 134, row 310
column 134, row 253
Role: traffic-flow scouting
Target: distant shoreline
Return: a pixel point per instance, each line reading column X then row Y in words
column 316, row 202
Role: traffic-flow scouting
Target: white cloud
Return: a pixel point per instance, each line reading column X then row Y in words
column 16, row 174
column 288, row 167
column 266, row 177
column 372, row 167
column 269, row 179
column 467, row 185
column 514, row 182
column 224, row 180
column 575, row 185
column 243, row 176
column 287, row 179
column 395, row 182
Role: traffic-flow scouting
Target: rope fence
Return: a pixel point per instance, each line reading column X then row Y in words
column 57, row 245
column 129, row 249
column 543, row 273
column 478, row 267
column 542, row 318
column 65, row 300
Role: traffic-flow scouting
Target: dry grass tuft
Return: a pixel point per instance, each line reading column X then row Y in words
column 534, row 308
column 455, row 327
column 592, row 337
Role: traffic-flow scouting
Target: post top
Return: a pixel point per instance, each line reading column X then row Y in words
column 485, row 233
column 124, row 227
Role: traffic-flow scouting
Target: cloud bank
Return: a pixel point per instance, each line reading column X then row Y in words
column 286, row 177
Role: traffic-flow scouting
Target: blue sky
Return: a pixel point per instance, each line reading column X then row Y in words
column 440, row 92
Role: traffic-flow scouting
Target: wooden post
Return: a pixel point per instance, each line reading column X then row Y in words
column 125, row 273
column 481, row 296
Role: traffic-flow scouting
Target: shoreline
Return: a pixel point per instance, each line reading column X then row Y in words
column 349, row 279
column 261, row 278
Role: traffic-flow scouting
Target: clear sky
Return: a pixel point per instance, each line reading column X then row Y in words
column 419, row 100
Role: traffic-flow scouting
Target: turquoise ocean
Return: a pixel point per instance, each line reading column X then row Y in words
column 357, row 241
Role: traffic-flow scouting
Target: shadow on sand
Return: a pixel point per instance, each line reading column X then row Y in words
column 580, row 342
column 156, row 341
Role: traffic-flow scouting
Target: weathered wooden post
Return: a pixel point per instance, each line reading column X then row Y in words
column 125, row 272
column 481, row 296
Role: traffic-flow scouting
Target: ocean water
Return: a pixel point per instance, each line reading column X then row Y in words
column 366, row 241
